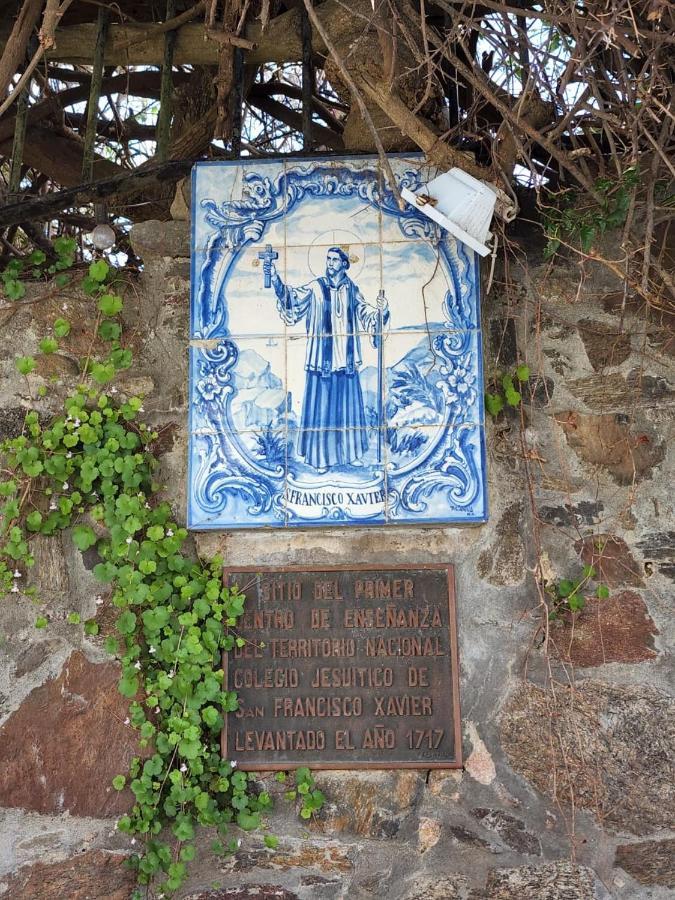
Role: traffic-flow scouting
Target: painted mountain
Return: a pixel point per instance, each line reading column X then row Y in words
column 259, row 400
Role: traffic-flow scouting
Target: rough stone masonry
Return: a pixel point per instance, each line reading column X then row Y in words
column 568, row 789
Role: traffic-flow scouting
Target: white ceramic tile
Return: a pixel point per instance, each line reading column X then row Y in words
column 224, row 193
column 411, row 172
column 303, row 413
column 437, row 475
column 304, row 382
column 229, row 293
column 309, row 262
column 251, row 305
column 432, row 378
column 239, row 385
column 337, row 204
column 335, row 477
column 418, row 286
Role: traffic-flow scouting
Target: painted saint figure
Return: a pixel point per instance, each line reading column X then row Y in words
column 333, row 422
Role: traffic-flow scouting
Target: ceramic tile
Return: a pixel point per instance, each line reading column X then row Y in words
column 233, row 299
column 421, row 288
column 341, row 399
column 239, row 385
column 233, row 482
column 410, row 171
column 437, row 475
column 432, row 378
column 225, row 193
column 267, row 446
column 308, row 407
column 332, row 203
column 312, row 268
column 229, row 234
column 335, row 476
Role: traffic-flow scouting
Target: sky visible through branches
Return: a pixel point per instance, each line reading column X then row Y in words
column 570, row 102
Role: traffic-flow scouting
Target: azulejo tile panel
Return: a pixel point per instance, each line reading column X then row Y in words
column 335, row 361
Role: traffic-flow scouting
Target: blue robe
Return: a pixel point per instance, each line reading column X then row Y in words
column 333, row 422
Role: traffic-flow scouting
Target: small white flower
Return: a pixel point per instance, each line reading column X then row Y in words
column 133, row 840
column 234, row 764
column 183, row 768
column 76, row 423
column 147, row 506
column 113, row 390
column 69, row 418
column 157, row 709
column 151, row 649
column 129, row 539
column 69, row 455
column 141, row 409
column 169, row 675
column 65, row 486
column 64, row 306
column 169, row 532
column 53, row 505
column 17, row 574
column 137, row 664
column 99, row 600
column 238, row 843
column 126, row 722
column 15, row 588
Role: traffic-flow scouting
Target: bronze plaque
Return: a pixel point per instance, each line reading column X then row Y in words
column 345, row 669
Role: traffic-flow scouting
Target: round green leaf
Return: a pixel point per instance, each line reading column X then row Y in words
column 49, row 345
column 84, row 537
column 61, row 328
column 99, row 270
column 25, row 364
column 110, row 304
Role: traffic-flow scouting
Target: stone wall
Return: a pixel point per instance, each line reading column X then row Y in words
column 569, row 735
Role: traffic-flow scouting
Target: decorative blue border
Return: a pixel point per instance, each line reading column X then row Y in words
column 226, row 477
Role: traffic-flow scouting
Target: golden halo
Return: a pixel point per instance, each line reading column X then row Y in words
column 337, row 237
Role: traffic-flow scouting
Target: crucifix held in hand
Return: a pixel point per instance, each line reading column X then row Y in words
column 268, row 256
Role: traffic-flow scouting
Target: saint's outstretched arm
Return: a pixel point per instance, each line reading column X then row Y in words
column 292, row 303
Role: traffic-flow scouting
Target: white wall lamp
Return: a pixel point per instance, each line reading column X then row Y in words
column 459, row 203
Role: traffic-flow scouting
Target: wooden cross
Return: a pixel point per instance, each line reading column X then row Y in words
column 268, row 255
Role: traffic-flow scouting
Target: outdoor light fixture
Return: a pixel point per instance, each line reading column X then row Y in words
column 460, row 203
column 103, row 236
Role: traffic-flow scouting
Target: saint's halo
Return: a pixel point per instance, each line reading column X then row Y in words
column 336, row 237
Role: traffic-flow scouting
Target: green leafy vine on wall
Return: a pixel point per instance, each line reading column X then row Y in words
column 572, row 221
column 91, row 470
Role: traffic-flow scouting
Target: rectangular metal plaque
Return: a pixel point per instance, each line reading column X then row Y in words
column 345, row 669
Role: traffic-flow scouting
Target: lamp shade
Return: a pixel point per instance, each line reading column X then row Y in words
column 459, row 203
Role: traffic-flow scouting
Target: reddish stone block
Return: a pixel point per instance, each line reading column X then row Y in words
column 92, row 874
column 611, row 559
column 618, row 629
column 63, row 746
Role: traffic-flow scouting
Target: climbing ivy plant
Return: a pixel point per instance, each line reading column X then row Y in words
column 572, row 221
column 504, row 392
column 570, row 595
column 91, row 470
